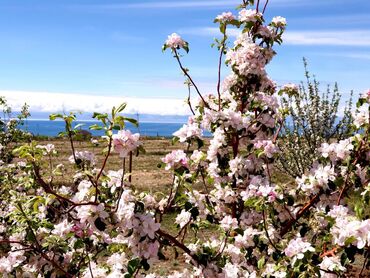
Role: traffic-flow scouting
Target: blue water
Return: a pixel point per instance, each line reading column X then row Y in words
column 52, row 128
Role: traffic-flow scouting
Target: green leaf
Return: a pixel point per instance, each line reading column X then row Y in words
column 30, row 236
column 133, row 121
column 261, row 263
column 186, row 47
column 132, row 266
column 78, row 244
column 95, row 127
column 78, row 125
column 95, row 115
column 121, row 107
column 52, row 117
column 175, row 140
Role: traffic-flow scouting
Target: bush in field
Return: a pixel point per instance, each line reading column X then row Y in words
column 9, row 132
column 312, row 120
column 104, row 227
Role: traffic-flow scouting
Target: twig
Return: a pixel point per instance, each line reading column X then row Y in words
column 264, row 7
column 189, row 102
column 257, row 5
column 219, row 70
column 105, row 159
column 364, row 264
column 189, row 77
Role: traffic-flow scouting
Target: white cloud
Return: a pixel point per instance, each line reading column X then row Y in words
column 54, row 102
column 126, row 38
column 159, row 5
column 337, row 38
column 210, row 4
column 333, row 19
column 351, row 55
column 207, row 31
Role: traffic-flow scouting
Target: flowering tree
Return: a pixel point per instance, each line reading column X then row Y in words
column 103, row 227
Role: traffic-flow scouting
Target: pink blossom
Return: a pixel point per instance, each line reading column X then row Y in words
column 149, row 226
column 188, row 131
column 175, row 159
column 225, row 17
column 330, row 264
column 297, row 247
column 48, row 149
column 116, row 180
column 175, row 41
column 361, row 116
column 249, row 15
column 125, row 142
column 183, row 218
column 229, row 223
column 268, row 147
column 63, row 228
column 84, row 156
column 366, row 95
column 290, row 89
column 279, row 21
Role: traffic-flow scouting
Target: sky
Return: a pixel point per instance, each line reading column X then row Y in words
column 89, row 54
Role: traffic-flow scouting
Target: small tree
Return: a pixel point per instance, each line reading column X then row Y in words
column 312, row 119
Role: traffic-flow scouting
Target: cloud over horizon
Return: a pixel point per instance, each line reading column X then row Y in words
column 58, row 102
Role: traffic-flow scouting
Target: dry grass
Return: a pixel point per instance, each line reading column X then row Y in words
column 145, row 172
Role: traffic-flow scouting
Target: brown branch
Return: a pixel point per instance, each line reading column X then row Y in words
column 277, row 132
column 219, row 70
column 130, row 168
column 299, row 214
column 264, row 7
column 105, row 159
column 177, row 243
column 329, row 253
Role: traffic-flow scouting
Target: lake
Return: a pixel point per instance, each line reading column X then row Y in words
column 52, row 128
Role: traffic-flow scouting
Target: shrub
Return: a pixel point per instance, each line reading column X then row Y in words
column 312, row 119
column 9, row 132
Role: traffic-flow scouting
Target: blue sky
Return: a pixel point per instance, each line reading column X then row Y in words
column 54, row 52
